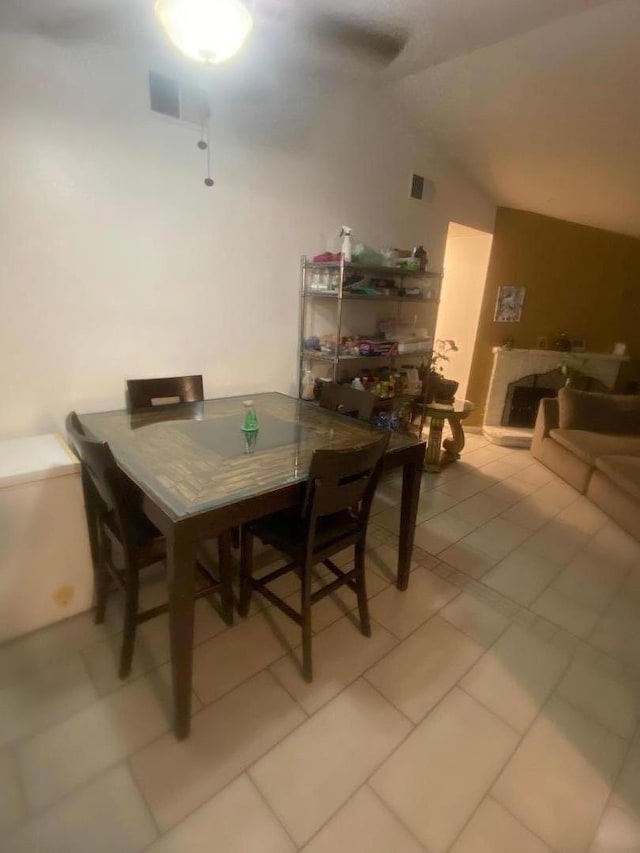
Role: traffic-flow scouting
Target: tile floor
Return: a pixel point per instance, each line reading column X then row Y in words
column 495, row 709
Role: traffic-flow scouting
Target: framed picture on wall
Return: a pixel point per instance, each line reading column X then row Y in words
column 509, row 304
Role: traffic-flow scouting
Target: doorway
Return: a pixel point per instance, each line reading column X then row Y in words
column 466, row 260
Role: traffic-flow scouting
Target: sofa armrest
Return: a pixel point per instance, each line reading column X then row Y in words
column 548, row 418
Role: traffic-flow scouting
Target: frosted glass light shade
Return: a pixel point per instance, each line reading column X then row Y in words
column 205, row 30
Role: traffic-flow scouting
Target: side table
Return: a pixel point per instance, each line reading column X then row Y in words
column 438, row 413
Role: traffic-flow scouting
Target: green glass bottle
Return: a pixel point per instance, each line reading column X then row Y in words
column 250, row 421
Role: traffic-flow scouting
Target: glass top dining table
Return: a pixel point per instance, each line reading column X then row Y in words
column 200, row 474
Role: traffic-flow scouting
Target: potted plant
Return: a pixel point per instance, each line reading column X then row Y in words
column 434, row 385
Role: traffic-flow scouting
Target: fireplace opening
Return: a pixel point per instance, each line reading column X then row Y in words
column 524, row 405
column 524, row 395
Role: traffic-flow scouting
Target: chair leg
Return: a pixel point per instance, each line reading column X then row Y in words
column 130, row 624
column 235, row 537
column 305, row 611
column 101, row 582
column 246, row 570
column 226, row 590
column 363, row 604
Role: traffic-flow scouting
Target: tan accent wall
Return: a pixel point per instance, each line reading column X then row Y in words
column 579, row 280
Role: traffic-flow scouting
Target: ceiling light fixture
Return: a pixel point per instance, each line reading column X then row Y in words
column 208, row 31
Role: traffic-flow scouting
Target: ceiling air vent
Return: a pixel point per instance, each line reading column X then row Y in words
column 421, row 188
column 178, row 100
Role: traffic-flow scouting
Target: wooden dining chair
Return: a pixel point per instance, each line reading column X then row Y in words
column 124, row 542
column 146, row 393
column 334, row 515
column 347, row 400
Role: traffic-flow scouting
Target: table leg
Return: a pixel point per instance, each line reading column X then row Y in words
column 411, row 482
column 181, row 563
column 432, row 463
column 453, row 446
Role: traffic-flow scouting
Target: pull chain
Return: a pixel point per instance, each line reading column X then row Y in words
column 205, row 145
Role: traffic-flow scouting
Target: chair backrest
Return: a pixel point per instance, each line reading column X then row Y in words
column 347, row 400
column 344, row 479
column 145, row 393
column 105, row 486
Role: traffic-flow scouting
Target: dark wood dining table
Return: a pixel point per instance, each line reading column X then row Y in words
column 200, row 475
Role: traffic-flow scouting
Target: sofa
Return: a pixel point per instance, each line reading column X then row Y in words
column 592, row 441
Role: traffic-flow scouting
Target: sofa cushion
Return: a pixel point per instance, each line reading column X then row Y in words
column 624, row 471
column 588, row 446
column 615, row 414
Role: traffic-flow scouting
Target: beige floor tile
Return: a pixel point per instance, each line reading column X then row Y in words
column 531, row 512
column 475, row 618
column 314, row 770
column 12, row 805
column 466, row 485
column 364, row 824
column 521, row 576
column 483, row 455
column 558, row 493
column 73, row 751
column 514, row 678
column 437, row 777
column 512, row 489
column 440, row 532
column 434, row 502
column 558, row 781
column 612, row 544
column 627, row 791
column 54, row 694
column 563, row 611
column 25, row 657
column 389, row 519
column 537, row 474
column 341, row 653
column 493, row 830
column 227, row 660
column 105, row 816
column 176, row 777
column 520, row 459
column 467, row 559
column 236, row 820
column 618, row 629
column 618, row 832
column 403, row 612
column 589, row 581
column 556, row 542
column 425, row 666
column 340, row 603
column 583, row 515
column 152, row 647
column 499, row 469
column 612, row 702
column 497, row 537
column 383, row 559
column 479, row 508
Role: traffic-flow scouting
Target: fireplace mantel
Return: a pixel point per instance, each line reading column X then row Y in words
column 510, row 365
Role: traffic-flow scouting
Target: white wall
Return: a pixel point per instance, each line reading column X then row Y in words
column 466, row 261
column 116, row 260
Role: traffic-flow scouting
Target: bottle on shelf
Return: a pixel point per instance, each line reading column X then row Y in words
column 308, row 384
column 345, row 233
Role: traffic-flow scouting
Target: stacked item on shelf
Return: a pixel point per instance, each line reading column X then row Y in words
column 408, row 338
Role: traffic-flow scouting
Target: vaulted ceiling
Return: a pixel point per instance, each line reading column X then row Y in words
column 537, row 100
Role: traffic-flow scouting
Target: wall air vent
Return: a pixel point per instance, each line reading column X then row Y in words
column 421, row 188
